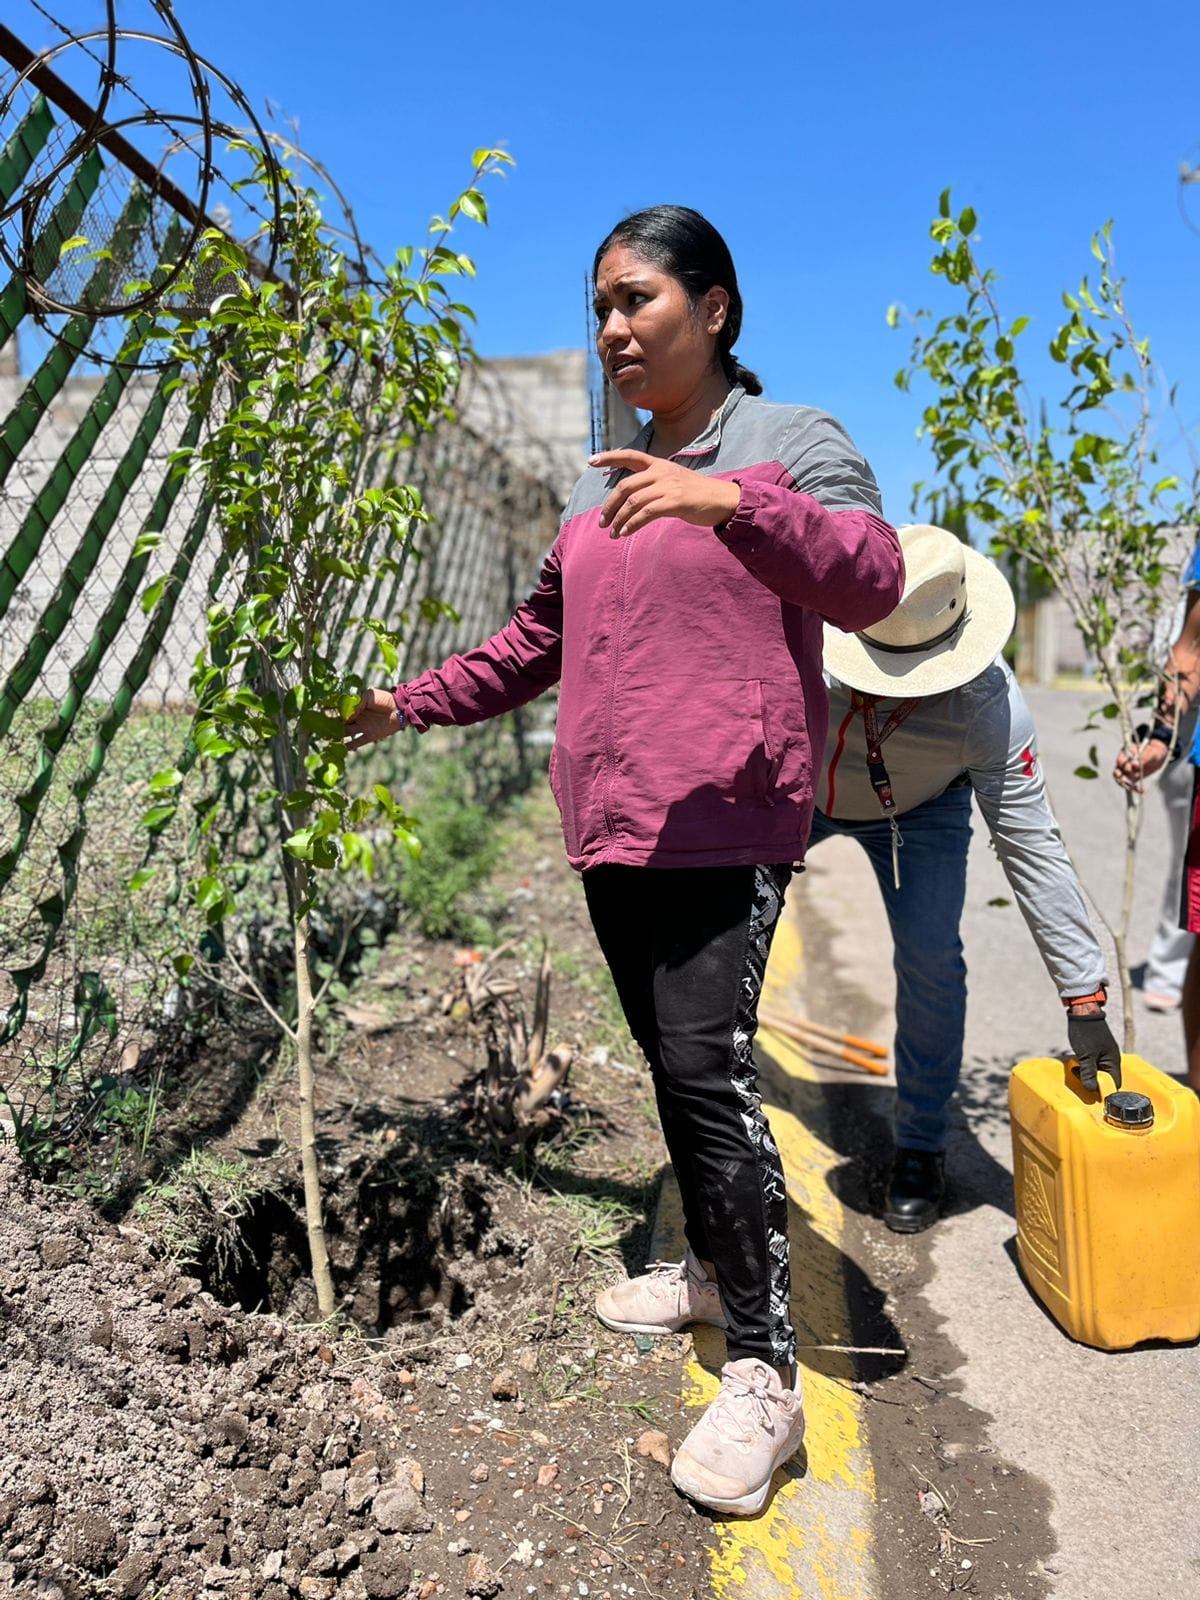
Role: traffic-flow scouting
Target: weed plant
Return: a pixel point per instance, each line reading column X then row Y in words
column 460, row 848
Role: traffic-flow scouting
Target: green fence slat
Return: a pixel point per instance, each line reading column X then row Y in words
column 138, row 670
column 22, row 421
column 83, row 673
column 64, row 220
column 20, row 555
column 27, row 138
column 53, row 909
column 23, row 678
column 23, row 551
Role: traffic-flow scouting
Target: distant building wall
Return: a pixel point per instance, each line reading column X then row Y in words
column 537, row 409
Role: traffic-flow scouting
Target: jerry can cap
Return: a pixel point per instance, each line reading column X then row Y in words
column 1125, row 1109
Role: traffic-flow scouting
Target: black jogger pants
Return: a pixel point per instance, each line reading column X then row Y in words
column 687, row 948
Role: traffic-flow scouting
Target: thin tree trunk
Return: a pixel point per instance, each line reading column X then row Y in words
column 313, row 1216
column 286, row 767
column 1120, row 937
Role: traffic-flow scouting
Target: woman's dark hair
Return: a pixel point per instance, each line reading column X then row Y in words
column 685, row 244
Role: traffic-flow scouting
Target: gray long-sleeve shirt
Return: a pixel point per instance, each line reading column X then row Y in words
column 983, row 732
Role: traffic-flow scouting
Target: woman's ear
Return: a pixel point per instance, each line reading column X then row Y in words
column 716, row 309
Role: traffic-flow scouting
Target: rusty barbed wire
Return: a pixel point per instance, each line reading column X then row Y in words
column 69, row 196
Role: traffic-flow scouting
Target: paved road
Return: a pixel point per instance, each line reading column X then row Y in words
column 1116, row 1438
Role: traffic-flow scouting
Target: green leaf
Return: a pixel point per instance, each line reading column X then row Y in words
column 320, row 723
column 210, row 741
column 153, row 594
column 966, row 222
column 158, row 816
column 210, row 892
column 73, row 243
column 473, row 205
column 324, row 853
column 1086, row 772
column 300, row 844
column 146, row 544
column 141, row 878
column 95, row 1006
column 999, row 900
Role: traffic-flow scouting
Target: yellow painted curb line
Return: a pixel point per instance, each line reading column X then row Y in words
column 815, row 1536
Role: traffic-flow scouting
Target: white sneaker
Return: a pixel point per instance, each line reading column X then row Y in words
column 669, row 1296
column 752, row 1427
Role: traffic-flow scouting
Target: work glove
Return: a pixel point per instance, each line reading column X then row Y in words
column 1095, row 1049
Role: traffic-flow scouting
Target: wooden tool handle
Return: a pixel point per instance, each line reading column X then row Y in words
column 797, row 1031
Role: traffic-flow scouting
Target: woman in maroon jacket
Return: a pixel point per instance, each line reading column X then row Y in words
column 680, row 611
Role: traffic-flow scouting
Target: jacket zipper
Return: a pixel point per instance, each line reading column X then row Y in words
column 610, row 738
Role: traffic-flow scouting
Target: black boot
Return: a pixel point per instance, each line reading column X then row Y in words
column 914, row 1197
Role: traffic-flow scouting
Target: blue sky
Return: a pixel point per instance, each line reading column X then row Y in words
column 817, row 138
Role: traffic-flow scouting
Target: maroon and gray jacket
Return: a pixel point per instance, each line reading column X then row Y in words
column 691, row 708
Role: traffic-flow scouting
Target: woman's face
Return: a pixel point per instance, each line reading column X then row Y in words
column 657, row 348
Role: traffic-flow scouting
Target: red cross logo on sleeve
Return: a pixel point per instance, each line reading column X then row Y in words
column 1028, row 762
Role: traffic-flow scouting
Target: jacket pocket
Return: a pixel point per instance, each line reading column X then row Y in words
column 560, row 787
column 691, row 764
column 772, row 746
column 785, row 741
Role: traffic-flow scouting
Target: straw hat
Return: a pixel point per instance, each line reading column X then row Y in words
column 955, row 617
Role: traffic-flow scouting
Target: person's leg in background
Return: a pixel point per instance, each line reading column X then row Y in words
column 1189, row 918
column 1171, row 946
column 931, row 991
column 1190, row 1006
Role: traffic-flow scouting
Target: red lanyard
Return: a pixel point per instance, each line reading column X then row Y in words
column 880, row 781
column 876, row 769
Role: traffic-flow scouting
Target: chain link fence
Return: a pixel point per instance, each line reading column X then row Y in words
column 94, row 694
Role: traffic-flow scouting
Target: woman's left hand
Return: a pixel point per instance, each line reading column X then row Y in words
column 375, row 717
column 659, row 488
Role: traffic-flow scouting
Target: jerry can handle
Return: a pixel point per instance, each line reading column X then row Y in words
column 1074, row 1065
column 1094, row 1049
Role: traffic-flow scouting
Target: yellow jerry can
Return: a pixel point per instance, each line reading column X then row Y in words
column 1108, row 1201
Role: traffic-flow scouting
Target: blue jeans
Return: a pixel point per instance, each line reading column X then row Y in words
column 931, row 976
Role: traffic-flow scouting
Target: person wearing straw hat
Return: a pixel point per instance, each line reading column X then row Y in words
column 924, row 714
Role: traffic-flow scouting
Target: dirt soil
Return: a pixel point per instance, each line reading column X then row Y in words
column 175, row 1424
column 175, row 1429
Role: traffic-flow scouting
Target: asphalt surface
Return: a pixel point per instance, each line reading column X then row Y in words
column 1115, row 1437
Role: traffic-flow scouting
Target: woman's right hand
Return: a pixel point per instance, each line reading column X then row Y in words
column 1138, row 761
column 375, row 717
